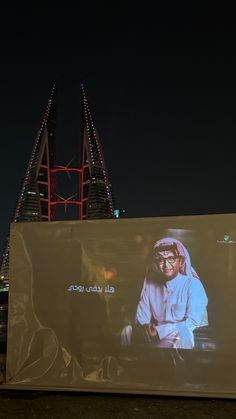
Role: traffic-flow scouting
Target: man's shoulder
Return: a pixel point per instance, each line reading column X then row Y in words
column 151, row 283
column 189, row 280
column 193, row 283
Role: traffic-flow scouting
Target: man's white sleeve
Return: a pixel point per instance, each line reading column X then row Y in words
column 143, row 313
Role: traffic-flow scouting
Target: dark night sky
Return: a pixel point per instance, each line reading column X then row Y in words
column 162, row 90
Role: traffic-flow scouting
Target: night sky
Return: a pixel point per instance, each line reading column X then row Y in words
column 162, row 90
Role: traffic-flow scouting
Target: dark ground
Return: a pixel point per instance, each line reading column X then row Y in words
column 19, row 404
column 53, row 405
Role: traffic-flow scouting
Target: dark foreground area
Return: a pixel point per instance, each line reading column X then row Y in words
column 53, row 405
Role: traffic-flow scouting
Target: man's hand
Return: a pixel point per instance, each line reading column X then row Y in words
column 149, row 330
column 153, row 331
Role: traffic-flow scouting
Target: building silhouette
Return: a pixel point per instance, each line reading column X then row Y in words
column 95, row 189
column 38, row 200
column 33, row 203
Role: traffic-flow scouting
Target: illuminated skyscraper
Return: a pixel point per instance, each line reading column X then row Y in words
column 37, row 200
column 38, row 185
column 95, row 190
column 33, row 203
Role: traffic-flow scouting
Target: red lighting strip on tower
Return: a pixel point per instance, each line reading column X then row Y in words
column 66, row 169
column 65, row 201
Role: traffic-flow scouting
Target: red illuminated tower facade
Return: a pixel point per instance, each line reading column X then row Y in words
column 93, row 192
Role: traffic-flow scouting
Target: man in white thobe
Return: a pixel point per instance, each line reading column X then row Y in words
column 173, row 301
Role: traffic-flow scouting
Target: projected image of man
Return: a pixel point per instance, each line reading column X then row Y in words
column 173, row 301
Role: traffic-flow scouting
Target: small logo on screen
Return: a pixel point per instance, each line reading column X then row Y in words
column 226, row 240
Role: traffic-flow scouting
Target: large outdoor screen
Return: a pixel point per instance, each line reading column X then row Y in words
column 126, row 305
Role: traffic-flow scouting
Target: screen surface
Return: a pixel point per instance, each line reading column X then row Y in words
column 128, row 305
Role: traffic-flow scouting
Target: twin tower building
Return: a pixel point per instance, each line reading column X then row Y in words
column 38, row 200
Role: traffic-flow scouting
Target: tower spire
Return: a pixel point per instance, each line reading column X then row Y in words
column 96, row 193
column 36, row 190
column 33, row 203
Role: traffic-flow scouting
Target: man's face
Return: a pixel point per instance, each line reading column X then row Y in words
column 167, row 263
